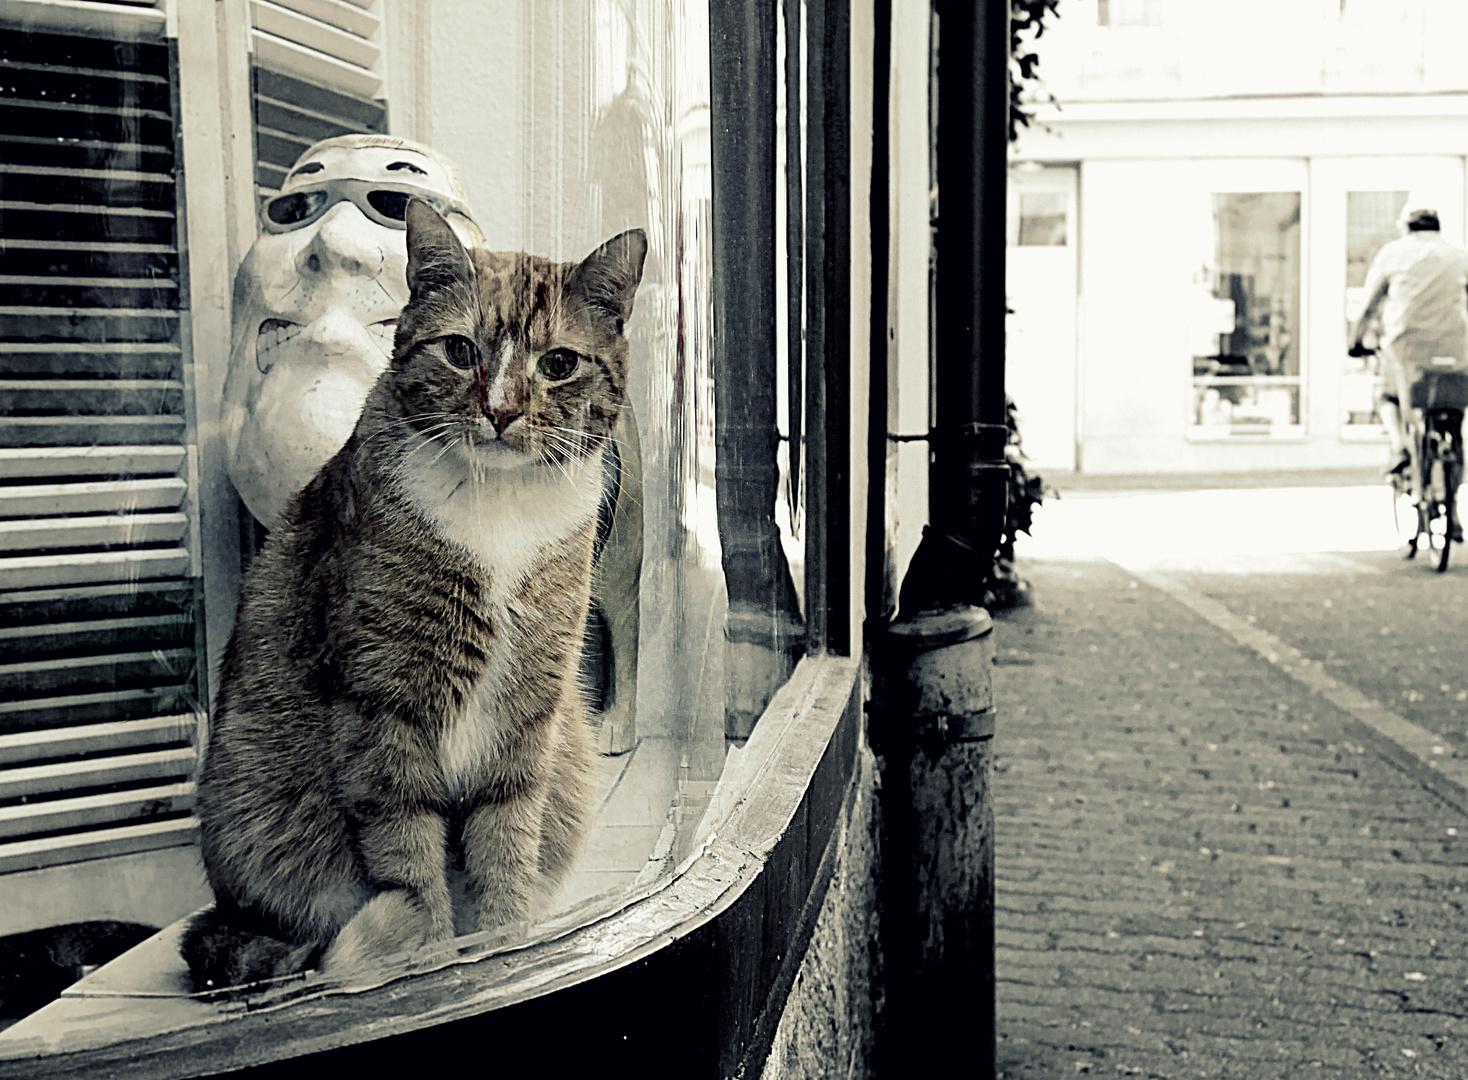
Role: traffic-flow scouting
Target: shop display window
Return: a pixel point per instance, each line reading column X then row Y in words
column 123, row 531
column 1129, row 12
column 1039, row 219
column 1248, row 383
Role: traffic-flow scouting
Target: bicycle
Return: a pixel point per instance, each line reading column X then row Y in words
column 1426, row 495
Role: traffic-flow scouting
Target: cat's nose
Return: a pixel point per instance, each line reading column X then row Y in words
column 345, row 243
column 503, row 416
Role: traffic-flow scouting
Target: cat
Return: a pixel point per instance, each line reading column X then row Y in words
column 398, row 707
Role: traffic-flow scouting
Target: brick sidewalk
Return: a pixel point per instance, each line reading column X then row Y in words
column 1199, row 871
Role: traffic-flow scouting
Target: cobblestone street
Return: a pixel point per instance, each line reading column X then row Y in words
column 1208, row 866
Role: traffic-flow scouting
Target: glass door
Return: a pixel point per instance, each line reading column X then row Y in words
column 1358, row 203
column 1246, row 320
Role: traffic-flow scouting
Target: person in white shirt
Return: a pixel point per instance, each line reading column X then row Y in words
column 1420, row 285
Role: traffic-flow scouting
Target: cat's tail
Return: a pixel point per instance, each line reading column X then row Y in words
column 222, row 952
column 391, row 922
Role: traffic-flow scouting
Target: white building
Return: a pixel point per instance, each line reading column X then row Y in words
column 1191, row 227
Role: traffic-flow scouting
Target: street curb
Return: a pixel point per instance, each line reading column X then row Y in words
column 1423, row 755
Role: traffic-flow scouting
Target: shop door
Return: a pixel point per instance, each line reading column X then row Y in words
column 1040, row 371
column 1358, row 202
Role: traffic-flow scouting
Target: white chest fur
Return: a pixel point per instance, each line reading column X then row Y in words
column 506, row 518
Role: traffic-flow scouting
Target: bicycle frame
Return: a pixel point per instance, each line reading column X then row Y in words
column 1435, row 444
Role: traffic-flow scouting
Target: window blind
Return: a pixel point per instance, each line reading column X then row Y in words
column 317, row 74
column 100, row 639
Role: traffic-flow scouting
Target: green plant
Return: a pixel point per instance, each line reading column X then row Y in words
column 1026, row 26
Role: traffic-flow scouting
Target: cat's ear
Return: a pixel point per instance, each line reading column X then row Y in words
column 609, row 276
column 436, row 259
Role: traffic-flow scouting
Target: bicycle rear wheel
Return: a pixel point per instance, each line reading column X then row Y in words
column 1452, row 475
column 1435, row 526
column 1439, row 526
column 1406, row 515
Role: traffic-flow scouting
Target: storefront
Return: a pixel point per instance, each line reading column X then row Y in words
column 142, row 150
column 1217, row 225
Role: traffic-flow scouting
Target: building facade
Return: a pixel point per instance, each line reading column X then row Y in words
column 1191, row 224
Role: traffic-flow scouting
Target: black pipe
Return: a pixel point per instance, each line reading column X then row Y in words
column 881, row 545
column 763, row 629
column 968, row 477
column 932, row 714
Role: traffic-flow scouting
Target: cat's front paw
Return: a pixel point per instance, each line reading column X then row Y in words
column 503, row 908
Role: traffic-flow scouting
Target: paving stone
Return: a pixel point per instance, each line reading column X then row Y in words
column 1199, row 870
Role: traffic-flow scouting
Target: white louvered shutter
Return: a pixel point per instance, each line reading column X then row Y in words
column 317, row 70
column 100, row 623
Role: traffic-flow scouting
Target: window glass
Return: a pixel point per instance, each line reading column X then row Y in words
column 101, row 672
column 1371, row 221
column 1129, row 12
column 1041, row 221
column 102, row 653
column 581, row 120
column 1249, row 383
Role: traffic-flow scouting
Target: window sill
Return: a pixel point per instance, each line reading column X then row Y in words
column 1247, row 438
column 691, row 968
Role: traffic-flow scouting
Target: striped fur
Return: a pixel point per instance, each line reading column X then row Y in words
column 400, row 694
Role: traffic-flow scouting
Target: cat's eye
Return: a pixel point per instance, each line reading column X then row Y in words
column 459, row 351
column 559, row 364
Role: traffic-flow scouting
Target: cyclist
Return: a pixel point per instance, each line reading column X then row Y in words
column 1420, row 284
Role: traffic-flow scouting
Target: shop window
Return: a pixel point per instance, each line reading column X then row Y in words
column 1248, row 383
column 719, row 569
column 1129, row 12
column 1371, row 221
column 1039, row 219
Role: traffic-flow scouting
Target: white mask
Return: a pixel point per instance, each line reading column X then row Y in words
column 316, row 302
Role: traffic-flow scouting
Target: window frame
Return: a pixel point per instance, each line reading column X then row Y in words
column 1265, row 175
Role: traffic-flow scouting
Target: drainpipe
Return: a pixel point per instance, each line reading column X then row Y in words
column 932, row 711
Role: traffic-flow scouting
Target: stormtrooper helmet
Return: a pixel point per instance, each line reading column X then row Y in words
column 316, row 302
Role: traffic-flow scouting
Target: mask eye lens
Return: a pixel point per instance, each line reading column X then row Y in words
column 390, row 204
column 295, row 208
column 460, row 352
column 559, row 364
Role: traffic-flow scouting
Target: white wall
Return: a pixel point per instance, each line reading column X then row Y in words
column 908, row 304
column 1218, row 48
column 1134, row 278
column 1144, row 222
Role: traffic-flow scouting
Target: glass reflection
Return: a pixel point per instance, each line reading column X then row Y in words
column 101, row 639
column 1250, row 384
column 598, row 117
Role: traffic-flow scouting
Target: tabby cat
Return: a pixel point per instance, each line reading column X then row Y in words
column 399, row 720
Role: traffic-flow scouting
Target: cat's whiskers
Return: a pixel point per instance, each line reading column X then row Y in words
column 404, row 462
column 447, row 446
column 603, row 441
column 550, row 456
column 563, row 458
column 579, row 433
column 391, row 427
column 570, row 447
